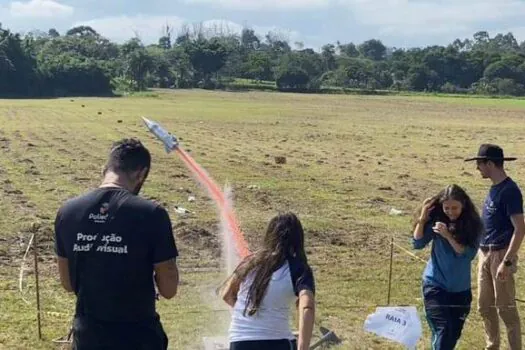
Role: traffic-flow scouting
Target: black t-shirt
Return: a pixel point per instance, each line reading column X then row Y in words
column 302, row 276
column 112, row 239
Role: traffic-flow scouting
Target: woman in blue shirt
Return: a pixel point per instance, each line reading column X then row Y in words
column 451, row 221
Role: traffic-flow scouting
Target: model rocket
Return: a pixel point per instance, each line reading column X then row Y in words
column 170, row 142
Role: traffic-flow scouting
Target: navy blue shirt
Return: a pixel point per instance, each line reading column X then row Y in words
column 302, row 276
column 112, row 239
column 503, row 200
column 446, row 269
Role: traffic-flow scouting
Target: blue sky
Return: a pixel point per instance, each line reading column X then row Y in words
column 399, row 23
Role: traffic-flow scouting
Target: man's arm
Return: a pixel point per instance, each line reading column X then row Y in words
column 514, row 210
column 63, row 271
column 517, row 237
column 164, row 253
column 62, row 261
column 167, row 278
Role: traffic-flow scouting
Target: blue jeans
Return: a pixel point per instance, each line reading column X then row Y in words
column 446, row 314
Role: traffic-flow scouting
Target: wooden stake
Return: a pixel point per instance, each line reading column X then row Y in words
column 390, row 273
column 35, row 254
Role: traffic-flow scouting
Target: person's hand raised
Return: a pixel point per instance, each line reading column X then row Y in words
column 428, row 206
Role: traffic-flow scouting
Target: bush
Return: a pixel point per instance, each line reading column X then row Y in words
column 125, row 85
column 449, row 88
column 509, row 87
column 292, row 79
column 484, row 87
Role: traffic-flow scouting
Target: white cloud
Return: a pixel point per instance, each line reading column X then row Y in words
column 39, row 9
column 269, row 5
column 123, row 28
column 229, row 27
column 415, row 18
column 149, row 28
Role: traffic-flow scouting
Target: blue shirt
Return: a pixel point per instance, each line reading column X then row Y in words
column 446, row 269
column 503, row 200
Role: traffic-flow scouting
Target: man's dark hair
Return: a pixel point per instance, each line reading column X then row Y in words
column 128, row 155
column 498, row 163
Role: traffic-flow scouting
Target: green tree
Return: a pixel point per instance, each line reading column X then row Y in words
column 509, row 87
column 161, row 73
column 328, row 55
column 138, row 63
column 373, row 49
column 349, row 49
column 68, row 74
column 292, row 78
column 207, row 57
column 17, row 67
column 258, row 66
column 180, row 64
column 165, row 39
column 82, row 31
column 249, row 40
column 53, row 33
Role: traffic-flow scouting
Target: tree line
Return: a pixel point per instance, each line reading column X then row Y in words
column 83, row 62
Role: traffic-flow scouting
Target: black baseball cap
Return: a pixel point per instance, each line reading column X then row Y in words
column 489, row 151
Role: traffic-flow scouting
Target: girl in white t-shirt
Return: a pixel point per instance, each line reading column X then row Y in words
column 263, row 287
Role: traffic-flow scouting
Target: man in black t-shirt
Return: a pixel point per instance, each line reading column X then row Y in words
column 113, row 247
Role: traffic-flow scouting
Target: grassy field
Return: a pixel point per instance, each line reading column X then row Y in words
column 350, row 160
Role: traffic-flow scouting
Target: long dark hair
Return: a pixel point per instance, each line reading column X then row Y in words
column 468, row 227
column 284, row 239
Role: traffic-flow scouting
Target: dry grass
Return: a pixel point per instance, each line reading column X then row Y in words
column 349, row 160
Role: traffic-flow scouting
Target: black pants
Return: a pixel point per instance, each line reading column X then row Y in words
column 89, row 334
column 282, row 344
column 446, row 314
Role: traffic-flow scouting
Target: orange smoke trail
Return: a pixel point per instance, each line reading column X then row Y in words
column 217, row 195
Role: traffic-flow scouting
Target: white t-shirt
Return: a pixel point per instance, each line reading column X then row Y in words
column 271, row 321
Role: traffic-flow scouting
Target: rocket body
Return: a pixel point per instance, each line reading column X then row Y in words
column 170, row 142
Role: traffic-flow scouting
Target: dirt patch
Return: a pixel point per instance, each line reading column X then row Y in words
column 81, row 179
column 360, row 239
column 328, row 237
column 63, row 151
column 4, row 143
column 12, row 248
column 410, row 195
column 198, row 238
column 280, row 160
column 262, row 198
column 179, row 176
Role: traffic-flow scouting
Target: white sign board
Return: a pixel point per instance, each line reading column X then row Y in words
column 400, row 324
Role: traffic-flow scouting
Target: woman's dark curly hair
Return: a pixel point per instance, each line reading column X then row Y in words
column 468, row 227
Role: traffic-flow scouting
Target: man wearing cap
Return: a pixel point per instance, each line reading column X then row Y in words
column 504, row 231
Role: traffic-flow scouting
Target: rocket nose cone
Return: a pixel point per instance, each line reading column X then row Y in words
column 148, row 122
